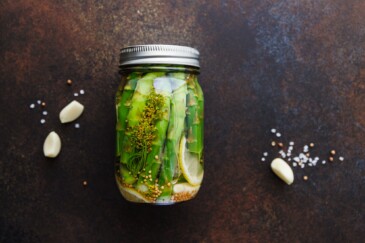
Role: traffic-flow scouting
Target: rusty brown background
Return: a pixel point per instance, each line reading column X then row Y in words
column 298, row 66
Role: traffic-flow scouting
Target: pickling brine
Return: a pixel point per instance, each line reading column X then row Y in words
column 159, row 132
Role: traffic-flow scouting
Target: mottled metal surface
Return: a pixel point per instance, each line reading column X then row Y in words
column 298, row 66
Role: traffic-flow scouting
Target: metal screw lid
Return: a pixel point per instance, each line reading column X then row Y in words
column 159, row 54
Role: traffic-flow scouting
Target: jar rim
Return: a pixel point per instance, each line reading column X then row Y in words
column 159, row 54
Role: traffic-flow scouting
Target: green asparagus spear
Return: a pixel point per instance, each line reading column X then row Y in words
column 195, row 116
column 122, row 108
column 162, row 87
column 127, row 176
column 138, row 103
column 175, row 130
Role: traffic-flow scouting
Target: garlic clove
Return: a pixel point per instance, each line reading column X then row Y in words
column 71, row 112
column 282, row 170
column 52, row 145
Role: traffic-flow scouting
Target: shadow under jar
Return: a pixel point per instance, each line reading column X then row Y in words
column 160, row 124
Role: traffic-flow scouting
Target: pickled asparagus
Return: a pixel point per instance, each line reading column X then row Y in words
column 155, row 113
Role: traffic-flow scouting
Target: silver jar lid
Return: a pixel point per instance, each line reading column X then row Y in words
column 159, row 54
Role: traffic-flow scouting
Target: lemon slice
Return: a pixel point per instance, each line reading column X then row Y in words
column 190, row 165
column 131, row 195
column 185, row 188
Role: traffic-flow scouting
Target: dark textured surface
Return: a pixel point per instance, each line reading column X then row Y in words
column 298, row 66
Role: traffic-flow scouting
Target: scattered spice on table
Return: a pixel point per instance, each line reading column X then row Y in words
column 302, row 159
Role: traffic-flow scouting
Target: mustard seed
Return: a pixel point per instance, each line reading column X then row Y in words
column 69, row 81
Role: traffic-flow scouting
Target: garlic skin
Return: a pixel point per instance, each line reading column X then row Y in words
column 52, row 145
column 282, row 170
column 71, row 112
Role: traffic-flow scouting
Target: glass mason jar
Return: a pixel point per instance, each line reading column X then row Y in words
column 160, row 124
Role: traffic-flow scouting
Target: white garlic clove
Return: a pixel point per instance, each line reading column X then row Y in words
column 71, row 112
column 52, row 145
column 282, row 170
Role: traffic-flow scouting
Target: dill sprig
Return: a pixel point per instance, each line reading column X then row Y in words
column 143, row 134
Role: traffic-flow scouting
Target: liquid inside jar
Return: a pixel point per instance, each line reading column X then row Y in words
column 160, row 119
